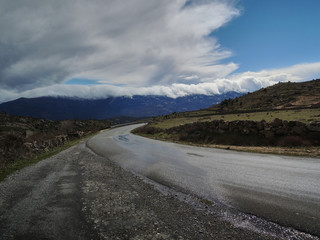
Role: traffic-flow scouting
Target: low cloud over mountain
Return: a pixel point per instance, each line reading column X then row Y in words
column 130, row 47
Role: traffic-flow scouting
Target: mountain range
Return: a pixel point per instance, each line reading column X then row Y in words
column 60, row 108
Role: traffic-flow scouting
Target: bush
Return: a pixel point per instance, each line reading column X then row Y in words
column 11, row 147
column 12, row 141
column 147, row 130
column 294, row 141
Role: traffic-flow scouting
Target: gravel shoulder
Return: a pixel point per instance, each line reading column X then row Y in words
column 77, row 194
column 124, row 206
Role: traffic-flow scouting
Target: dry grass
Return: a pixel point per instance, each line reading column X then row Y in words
column 296, row 151
column 301, row 115
column 306, row 100
column 279, row 96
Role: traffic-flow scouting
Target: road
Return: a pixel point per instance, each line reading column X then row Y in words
column 282, row 189
column 78, row 194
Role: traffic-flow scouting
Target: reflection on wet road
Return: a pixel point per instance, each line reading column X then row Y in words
column 282, row 189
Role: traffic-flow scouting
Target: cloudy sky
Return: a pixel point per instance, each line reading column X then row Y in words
column 101, row 48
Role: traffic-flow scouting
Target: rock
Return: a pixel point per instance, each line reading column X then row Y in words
column 28, row 133
column 61, row 139
column 79, row 134
column 35, row 144
column 28, row 146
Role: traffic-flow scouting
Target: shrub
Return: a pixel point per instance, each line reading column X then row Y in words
column 147, row 130
column 293, row 141
column 12, row 141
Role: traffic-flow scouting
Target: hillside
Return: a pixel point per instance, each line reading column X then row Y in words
column 58, row 108
column 22, row 138
column 283, row 115
column 280, row 96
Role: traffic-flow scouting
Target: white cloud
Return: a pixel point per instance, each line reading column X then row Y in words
column 103, row 91
column 148, row 47
column 131, row 42
column 251, row 81
column 244, row 82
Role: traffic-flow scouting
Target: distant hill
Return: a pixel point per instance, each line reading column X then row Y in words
column 279, row 96
column 59, row 108
column 285, row 115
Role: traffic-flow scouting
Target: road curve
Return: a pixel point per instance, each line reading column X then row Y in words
column 282, row 189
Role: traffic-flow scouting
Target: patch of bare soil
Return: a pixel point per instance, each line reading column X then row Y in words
column 306, row 101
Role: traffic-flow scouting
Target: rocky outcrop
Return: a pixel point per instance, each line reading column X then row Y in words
column 45, row 145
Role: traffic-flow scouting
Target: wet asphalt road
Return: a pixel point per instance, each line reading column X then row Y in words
column 282, row 189
column 77, row 194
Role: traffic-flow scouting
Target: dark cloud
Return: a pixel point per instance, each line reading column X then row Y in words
column 132, row 42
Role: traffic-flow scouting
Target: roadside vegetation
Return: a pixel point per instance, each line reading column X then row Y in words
column 25, row 140
column 282, row 119
column 25, row 161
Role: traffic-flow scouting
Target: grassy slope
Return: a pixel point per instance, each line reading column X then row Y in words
column 286, row 101
column 301, row 115
column 279, row 96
